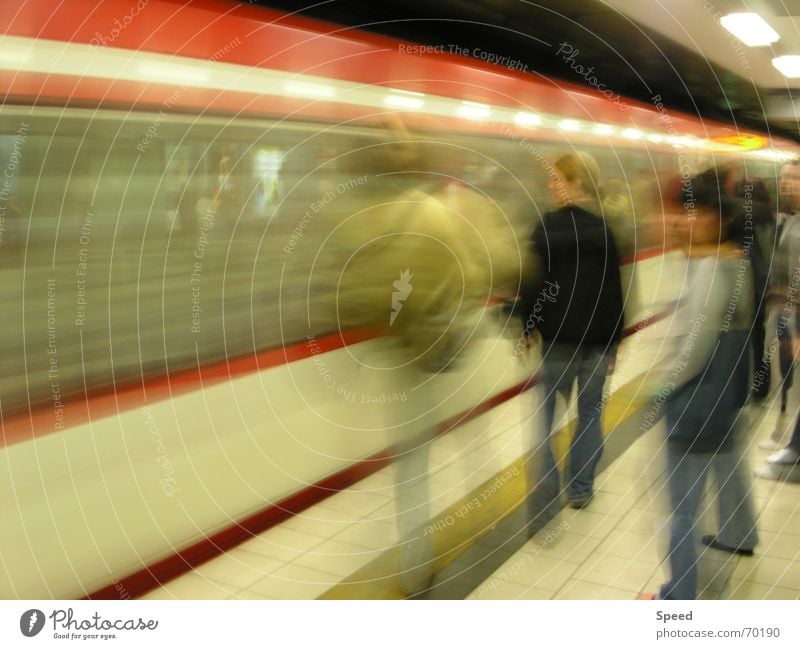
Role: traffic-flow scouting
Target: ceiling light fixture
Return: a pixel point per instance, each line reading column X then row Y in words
column 750, row 28
column 788, row 66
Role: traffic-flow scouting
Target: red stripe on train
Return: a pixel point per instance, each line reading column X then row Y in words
column 209, row 30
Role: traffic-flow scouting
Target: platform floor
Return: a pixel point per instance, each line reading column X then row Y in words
column 615, row 547
column 347, row 546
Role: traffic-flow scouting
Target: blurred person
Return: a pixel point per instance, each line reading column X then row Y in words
column 757, row 230
column 616, row 203
column 785, row 289
column 574, row 301
column 407, row 266
column 786, row 458
column 617, row 211
column 784, row 282
column 752, row 229
column 227, row 196
column 706, row 384
column 783, row 285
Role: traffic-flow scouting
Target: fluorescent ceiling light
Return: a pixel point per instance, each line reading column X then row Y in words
column 655, row 138
column 749, row 28
column 604, row 129
column 473, row 110
column 527, row 119
column 788, row 66
column 632, row 134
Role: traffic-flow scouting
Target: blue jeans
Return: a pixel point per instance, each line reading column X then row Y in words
column 686, row 478
column 562, row 366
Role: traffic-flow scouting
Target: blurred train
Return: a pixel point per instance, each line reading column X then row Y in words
column 171, row 174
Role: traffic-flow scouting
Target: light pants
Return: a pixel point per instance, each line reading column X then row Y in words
column 412, row 486
column 686, row 478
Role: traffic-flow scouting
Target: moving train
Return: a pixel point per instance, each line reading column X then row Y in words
column 171, row 173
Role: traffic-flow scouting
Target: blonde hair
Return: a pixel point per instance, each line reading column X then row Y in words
column 584, row 168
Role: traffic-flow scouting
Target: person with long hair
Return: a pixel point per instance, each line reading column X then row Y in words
column 574, row 301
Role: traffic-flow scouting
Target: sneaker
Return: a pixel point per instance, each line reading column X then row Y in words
column 711, row 541
column 768, row 471
column 769, row 445
column 784, row 456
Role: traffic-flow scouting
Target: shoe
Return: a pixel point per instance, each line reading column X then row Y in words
column 784, row 456
column 769, row 445
column 580, row 503
column 711, row 541
column 768, row 471
column 649, row 596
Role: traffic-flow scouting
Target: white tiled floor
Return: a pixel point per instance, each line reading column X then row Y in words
column 616, row 546
column 611, row 550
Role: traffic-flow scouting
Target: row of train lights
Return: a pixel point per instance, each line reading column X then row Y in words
column 750, row 28
column 415, row 101
column 407, row 100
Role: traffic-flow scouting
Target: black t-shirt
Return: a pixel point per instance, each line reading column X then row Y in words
column 577, row 297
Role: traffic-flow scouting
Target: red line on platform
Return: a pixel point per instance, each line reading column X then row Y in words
column 181, row 562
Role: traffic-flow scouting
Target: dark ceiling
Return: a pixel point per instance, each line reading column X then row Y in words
column 630, row 59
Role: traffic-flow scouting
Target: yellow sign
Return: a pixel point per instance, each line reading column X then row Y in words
column 746, row 142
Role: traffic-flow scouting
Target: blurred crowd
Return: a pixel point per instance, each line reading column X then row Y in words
column 422, row 261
